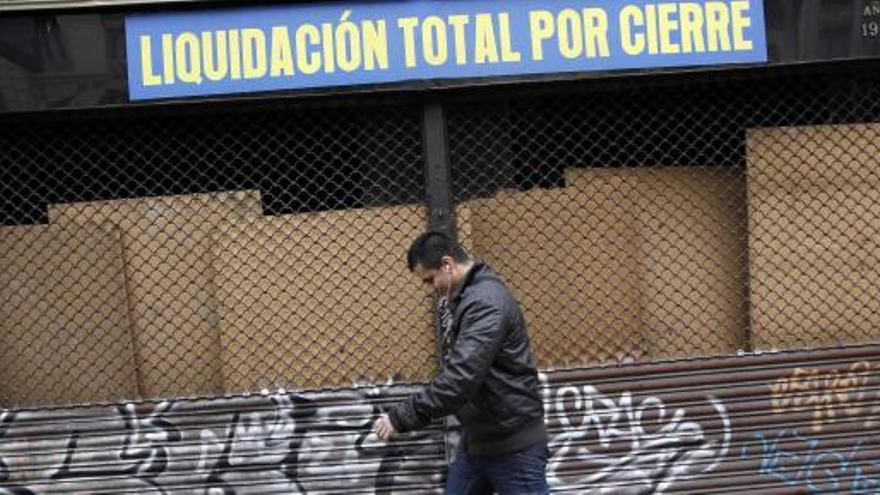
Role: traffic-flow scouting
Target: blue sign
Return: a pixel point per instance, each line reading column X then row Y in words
column 273, row 48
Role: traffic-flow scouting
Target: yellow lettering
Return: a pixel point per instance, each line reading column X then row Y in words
column 667, row 26
column 307, row 35
column 458, row 23
column 691, row 19
column 189, row 58
column 596, row 32
column 147, row 75
column 571, row 43
column 508, row 54
column 740, row 22
column 282, row 58
column 348, row 46
column 375, row 44
column 486, row 49
column 329, row 51
column 434, row 40
column 542, row 28
column 168, row 58
column 632, row 43
column 408, row 25
column 717, row 24
column 235, row 54
column 651, row 29
column 215, row 70
column 253, row 43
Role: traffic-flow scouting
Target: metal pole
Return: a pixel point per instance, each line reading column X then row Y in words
column 438, row 175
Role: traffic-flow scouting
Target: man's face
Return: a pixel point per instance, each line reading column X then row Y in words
column 439, row 279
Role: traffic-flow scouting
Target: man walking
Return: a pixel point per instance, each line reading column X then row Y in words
column 488, row 380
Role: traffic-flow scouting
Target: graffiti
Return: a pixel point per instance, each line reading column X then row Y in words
column 5, row 419
column 6, row 487
column 144, row 453
column 826, row 396
column 627, row 442
column 804, row 461
column 298, row 443
column 634, row 446
column 379, row 461
column 257, row 446
column 283, row 443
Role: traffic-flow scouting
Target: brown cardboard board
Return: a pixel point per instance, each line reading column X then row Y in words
column 167, row 249
column 65, row 334
column 814, row 235
column 690, row 224
column 569, row 257
column 814, row 158
column 323, row 299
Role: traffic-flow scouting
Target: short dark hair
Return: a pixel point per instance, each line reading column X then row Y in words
column 429, row 249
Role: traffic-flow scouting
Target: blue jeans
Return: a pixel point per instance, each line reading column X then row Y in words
column 520, row 473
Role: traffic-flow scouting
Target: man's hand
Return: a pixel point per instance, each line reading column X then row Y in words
column 383, row 428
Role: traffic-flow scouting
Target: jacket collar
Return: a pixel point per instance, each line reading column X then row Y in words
column 468, row 280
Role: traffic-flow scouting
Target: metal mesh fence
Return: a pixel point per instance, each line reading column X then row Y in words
column 232, row 251
column 212, row 254
column 673, row 221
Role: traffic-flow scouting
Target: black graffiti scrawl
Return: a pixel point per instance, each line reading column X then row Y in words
column 5, row 420
column 143, row 456
column 277, row 435
column 6, row 486
column 278, row 443
column 807, row 425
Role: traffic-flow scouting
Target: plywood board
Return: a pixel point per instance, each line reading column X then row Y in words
column 568, row 255
column 691, row 242
column 323, row 299
column 65, row 334
column 814, row 235
column 167, row 250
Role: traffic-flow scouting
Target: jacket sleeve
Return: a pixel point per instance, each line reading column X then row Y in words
column 479, row 339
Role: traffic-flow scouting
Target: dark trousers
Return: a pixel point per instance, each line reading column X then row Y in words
column 519, row 473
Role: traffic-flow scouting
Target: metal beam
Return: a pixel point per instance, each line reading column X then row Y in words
column 438, row 175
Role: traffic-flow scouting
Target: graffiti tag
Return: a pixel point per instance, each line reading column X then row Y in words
column 635, row 446
column 285, row 443
column 802, row 460
column 825, row 395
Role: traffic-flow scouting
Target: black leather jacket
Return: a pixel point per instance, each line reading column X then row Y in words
column 489, row 380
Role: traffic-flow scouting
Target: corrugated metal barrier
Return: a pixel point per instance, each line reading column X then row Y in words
column 787, row 423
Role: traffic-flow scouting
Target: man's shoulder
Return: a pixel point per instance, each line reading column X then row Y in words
column 486, row 287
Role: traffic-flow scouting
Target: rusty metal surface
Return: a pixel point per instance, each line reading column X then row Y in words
column 788, row 423
column 798, row 423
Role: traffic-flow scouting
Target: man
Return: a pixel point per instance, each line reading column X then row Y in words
column 488, row 379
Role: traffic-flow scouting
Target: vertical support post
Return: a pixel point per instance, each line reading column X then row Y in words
column 438, row 186
column 438, row 174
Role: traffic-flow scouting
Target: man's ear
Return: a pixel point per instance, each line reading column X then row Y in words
column 448, row 262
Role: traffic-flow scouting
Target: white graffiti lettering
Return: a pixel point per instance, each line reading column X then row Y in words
column 635, row 446
column 284, row 443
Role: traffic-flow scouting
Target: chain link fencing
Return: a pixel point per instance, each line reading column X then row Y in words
column 204, row 255
column 671, row 221
column 162, row 255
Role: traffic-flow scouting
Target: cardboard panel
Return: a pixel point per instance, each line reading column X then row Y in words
column 812, row 158
column 569, row 256
column 691, row 242
column 814, row 235
column 323, row 299
column 65, row 335
column 167, row 249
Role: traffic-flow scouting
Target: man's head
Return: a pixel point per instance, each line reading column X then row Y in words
column 438, row 261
